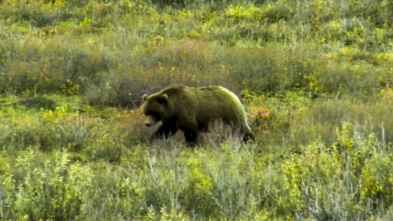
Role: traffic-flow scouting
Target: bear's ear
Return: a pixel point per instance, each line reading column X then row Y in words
column 144, row 97
column 164, row 98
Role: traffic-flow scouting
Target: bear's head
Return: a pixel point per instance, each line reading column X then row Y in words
column 156, row 108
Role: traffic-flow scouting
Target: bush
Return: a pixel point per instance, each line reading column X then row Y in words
column 314, row 76
column 35, row 13
column 49, row 189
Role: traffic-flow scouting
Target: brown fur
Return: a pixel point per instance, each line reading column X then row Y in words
column 191, row 110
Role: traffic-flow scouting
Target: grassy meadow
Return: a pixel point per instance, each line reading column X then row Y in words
column 316, row 78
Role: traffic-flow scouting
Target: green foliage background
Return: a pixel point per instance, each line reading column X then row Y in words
column 315, row 77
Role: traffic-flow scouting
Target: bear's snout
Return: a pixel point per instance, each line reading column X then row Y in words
column 150, row 121
column 148, row 124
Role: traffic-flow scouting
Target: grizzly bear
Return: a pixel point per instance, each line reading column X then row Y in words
column 192, row 109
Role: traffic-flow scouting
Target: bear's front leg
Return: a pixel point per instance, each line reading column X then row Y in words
column 191, row 133
column 166, row 130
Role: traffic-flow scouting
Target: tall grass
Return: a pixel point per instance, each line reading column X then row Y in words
column 116, row 49
column 315, row 78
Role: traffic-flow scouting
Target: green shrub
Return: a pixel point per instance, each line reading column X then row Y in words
column 311, row 177
column 48, row 189
column 35, row 13
column 315, row 78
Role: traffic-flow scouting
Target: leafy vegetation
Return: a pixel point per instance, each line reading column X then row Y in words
column 315, row 77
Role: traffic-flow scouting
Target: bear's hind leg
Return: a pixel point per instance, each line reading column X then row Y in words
column 248, row 137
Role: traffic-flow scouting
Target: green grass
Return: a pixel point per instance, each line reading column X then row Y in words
column 315, row 78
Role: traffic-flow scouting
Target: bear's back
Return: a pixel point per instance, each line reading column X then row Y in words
column 216, row 102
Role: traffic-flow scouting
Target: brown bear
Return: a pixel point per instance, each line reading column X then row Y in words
column 192, row 109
